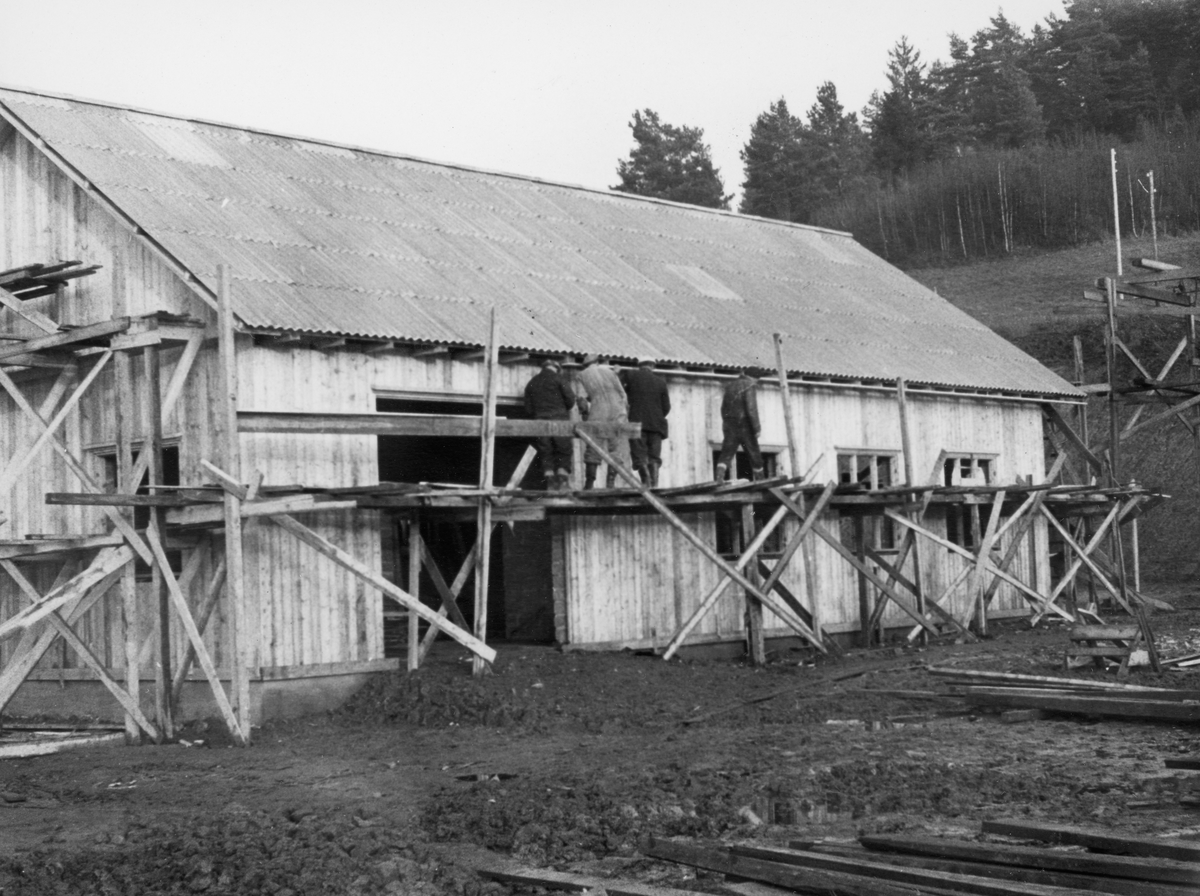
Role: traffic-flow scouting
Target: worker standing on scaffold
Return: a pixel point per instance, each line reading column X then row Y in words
column 549, row 397
column 740, row 425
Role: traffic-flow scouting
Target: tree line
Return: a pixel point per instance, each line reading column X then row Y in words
column 1004, row 144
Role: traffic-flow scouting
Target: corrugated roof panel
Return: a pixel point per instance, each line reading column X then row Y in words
column 336, row 240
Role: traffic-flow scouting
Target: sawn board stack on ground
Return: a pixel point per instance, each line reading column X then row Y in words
column 1072, row 695
column 890, row 866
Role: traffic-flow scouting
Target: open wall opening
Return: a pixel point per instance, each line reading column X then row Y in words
column 520, row 603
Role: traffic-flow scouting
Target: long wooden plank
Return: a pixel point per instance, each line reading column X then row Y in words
column 208, row 603
column 242, row 646
column 346, row 561
column 507, row 872
column 1082, row 704
column 456, row 587
column 1046, row 681
column 423, row 425
column 697, row 542
column 123, row 422
column 771, row 583
column 184, row 613
column 1156, row 847
column 1061, row 424
column 801, row 880
column 1079, row 871
column 68, row 337
column 788, row 416
column 487, row 461
column 978, row 574
column 1160, row 869
column 898, row 875
column 449, row 598
column 213, row 514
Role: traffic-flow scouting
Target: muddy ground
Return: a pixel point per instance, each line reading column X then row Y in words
column 570, row 760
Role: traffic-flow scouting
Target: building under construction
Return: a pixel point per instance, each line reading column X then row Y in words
column 262, row 394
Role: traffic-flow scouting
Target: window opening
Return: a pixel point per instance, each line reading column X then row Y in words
column 729, row 522
column 965, row 470
column 169, row 475
column 872, row 470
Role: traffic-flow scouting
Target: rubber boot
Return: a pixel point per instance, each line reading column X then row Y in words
column 721, row 468
column 654, row 474
column 551, row 479
column 589, row 476
column 758, row 475
column 610, row 478
column 564, row 480
column 644, row 473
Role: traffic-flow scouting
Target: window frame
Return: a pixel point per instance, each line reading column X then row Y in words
column 962, row 520
column 878, row 531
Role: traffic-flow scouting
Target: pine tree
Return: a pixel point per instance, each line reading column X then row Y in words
column 775, row 166
column 899, row 119
column 670, row 162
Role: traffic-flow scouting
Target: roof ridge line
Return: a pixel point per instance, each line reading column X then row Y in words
column 391, row 154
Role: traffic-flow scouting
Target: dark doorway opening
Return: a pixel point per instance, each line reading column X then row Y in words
column 520, row 606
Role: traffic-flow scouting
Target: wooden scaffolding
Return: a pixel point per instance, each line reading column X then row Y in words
column 207, row 524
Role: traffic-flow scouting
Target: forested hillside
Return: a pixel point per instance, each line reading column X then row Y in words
column 1006, row 144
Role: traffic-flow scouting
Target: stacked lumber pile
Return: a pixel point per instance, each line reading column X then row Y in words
column 902, row 866
column 33, row 281
column 1003, row 690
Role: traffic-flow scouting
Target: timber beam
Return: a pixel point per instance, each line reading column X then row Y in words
column 73, row 337
column 422, row 425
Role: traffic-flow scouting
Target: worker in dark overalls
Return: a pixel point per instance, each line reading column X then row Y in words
column 740, row 425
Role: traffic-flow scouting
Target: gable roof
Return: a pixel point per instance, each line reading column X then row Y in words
column 332, row 239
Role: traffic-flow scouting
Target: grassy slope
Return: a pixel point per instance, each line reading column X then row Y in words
column 1036, row 301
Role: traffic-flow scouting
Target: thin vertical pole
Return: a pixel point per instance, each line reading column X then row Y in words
column 240, row 648
column 487, row 459
column 789, row 421
column 910, row 479
column 755, row 645
column 1153, row 219
column 414, row 588
column 1110, row 360
column 152, row 401
column 1116, row 211
column 123, row 422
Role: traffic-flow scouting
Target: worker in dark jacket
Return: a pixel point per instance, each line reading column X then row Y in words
column 740, row 425
column 649, row 405
column 548, row 396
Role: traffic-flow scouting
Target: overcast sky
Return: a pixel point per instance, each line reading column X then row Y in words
column 525, row 86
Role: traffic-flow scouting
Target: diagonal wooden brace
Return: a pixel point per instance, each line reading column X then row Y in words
column 1036, row 598
column 67, row 633
column 184, row 612
column 696, row 541
column 715, row 593
column 1083, row 555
